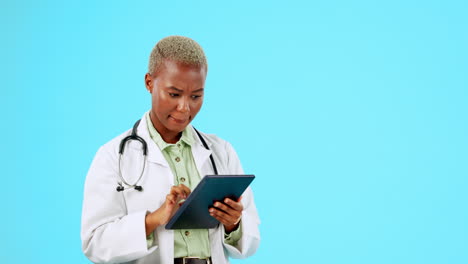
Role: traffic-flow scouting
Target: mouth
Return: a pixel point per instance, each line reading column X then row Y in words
column 182, row 120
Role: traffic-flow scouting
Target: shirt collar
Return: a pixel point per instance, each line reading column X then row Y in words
column 186, row 138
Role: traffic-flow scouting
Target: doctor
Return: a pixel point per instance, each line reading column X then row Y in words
column 127, row 226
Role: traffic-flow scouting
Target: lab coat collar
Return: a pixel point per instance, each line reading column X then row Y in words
column 199, row 152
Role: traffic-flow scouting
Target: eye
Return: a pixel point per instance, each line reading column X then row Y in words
column 196, row 96
column 173, row 94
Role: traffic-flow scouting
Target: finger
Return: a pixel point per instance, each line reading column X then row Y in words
column 185, row 189
column 221, row 220
column 227, row 209
column 175, row 190
column 228, row 219
column 179, row 191
column 224, row 218
column 182, row 189
column 171, row 198
column 234, row 205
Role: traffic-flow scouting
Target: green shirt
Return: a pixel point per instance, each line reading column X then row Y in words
column 187, row 242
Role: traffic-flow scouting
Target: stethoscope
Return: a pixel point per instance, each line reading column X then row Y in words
column 134, row 136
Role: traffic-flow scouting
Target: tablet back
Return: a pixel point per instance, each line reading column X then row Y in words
column 193, row 214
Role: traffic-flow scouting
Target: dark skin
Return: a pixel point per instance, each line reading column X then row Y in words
column 177, row 92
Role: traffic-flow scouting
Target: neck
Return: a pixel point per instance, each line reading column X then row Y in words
column 172, row 139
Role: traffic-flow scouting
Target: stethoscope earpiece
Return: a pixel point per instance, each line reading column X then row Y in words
column 138, row 188
column 120, row 188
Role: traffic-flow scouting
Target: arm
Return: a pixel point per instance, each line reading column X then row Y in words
column 168, row 209
column 108, row 233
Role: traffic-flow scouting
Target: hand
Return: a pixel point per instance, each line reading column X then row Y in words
column 167, row 209
column 228, row 213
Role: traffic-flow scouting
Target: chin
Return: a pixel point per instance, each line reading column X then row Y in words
column 178, row 128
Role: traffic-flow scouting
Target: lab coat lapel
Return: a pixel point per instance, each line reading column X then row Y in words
column 200, row 154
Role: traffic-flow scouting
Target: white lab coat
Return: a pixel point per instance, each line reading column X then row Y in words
column 113, row 223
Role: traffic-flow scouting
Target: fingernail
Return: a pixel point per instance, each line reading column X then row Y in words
column 211, row 210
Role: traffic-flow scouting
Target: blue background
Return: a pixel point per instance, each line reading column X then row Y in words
column 352, row 114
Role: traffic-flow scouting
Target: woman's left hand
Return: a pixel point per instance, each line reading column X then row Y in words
column 229, row 213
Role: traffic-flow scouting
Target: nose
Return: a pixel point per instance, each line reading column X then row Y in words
column 183, row 105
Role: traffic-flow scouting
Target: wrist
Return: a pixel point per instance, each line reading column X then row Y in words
column 151, row 223
column 229, row 229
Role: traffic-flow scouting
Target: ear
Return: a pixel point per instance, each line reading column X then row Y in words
column 149, row 83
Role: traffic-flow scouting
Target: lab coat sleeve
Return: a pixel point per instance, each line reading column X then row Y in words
column 250, row 239
column 108, row 233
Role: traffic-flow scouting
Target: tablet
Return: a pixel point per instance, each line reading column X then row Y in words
column 193, row 214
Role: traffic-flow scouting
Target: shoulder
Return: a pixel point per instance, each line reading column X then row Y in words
column 116, row 140
column 223, row 151
column 141, row 127
column 213, row 141
column 111, row 147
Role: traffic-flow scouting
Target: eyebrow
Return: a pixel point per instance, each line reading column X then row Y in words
column 181, row 91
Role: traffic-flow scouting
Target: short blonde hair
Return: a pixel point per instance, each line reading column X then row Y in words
column 179, row 49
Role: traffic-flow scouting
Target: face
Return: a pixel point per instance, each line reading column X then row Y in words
column 177, row 95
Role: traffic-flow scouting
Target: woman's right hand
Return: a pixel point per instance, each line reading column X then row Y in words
column 162, row 215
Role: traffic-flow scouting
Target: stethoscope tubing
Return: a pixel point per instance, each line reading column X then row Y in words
column 134, row 136
column 123, row 179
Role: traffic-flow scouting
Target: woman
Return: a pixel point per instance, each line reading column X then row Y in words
column 127, row 226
